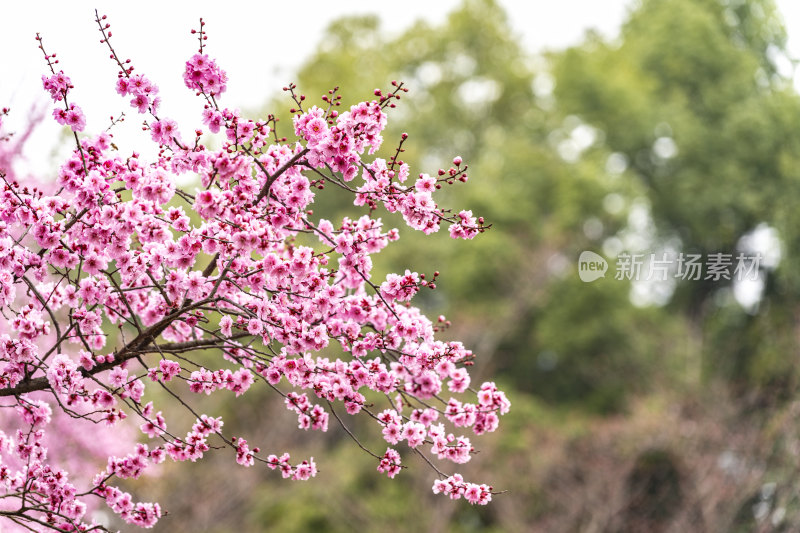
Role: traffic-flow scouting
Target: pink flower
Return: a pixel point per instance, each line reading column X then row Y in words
column 169, row 369
column 94, row 263
column 164, row 131
column 225, row 324
column 57, row 85
column 122, row 86
column 117, row 377
column 254, row 326
column 141, row 103
column 392, row 433
column 425, row 183
column 305, row 470
column 213, row 119
column 203, row 74
column 390, row 463
column 75, row 119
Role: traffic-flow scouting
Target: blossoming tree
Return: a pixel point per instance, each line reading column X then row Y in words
column 114, row 280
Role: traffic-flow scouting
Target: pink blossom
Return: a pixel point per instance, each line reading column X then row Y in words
column 225, row 324
column 75, row 119
column 164, row 131
column 203, row 74
column 390, row 463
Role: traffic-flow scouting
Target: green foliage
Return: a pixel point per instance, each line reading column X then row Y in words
column 600, row 355
column 701, row 73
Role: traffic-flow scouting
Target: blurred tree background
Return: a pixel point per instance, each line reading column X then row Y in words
column 635, row 407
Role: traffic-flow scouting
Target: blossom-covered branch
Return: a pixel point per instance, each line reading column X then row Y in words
column 113, row 279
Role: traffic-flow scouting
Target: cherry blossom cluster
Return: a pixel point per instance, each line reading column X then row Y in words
column 144, row 93
column 58, row 85
column 203, row 74
column 305, row 470
column 390, row 463
column 113, row 280
column 308, row 416
column 455, row 487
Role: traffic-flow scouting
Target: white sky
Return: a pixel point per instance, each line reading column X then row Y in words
column 248, row 42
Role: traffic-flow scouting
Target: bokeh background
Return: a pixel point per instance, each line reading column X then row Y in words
column 675, row 126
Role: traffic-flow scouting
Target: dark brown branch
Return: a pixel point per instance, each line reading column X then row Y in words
column 129, row 351
column 278, row 173
column 182, row 346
